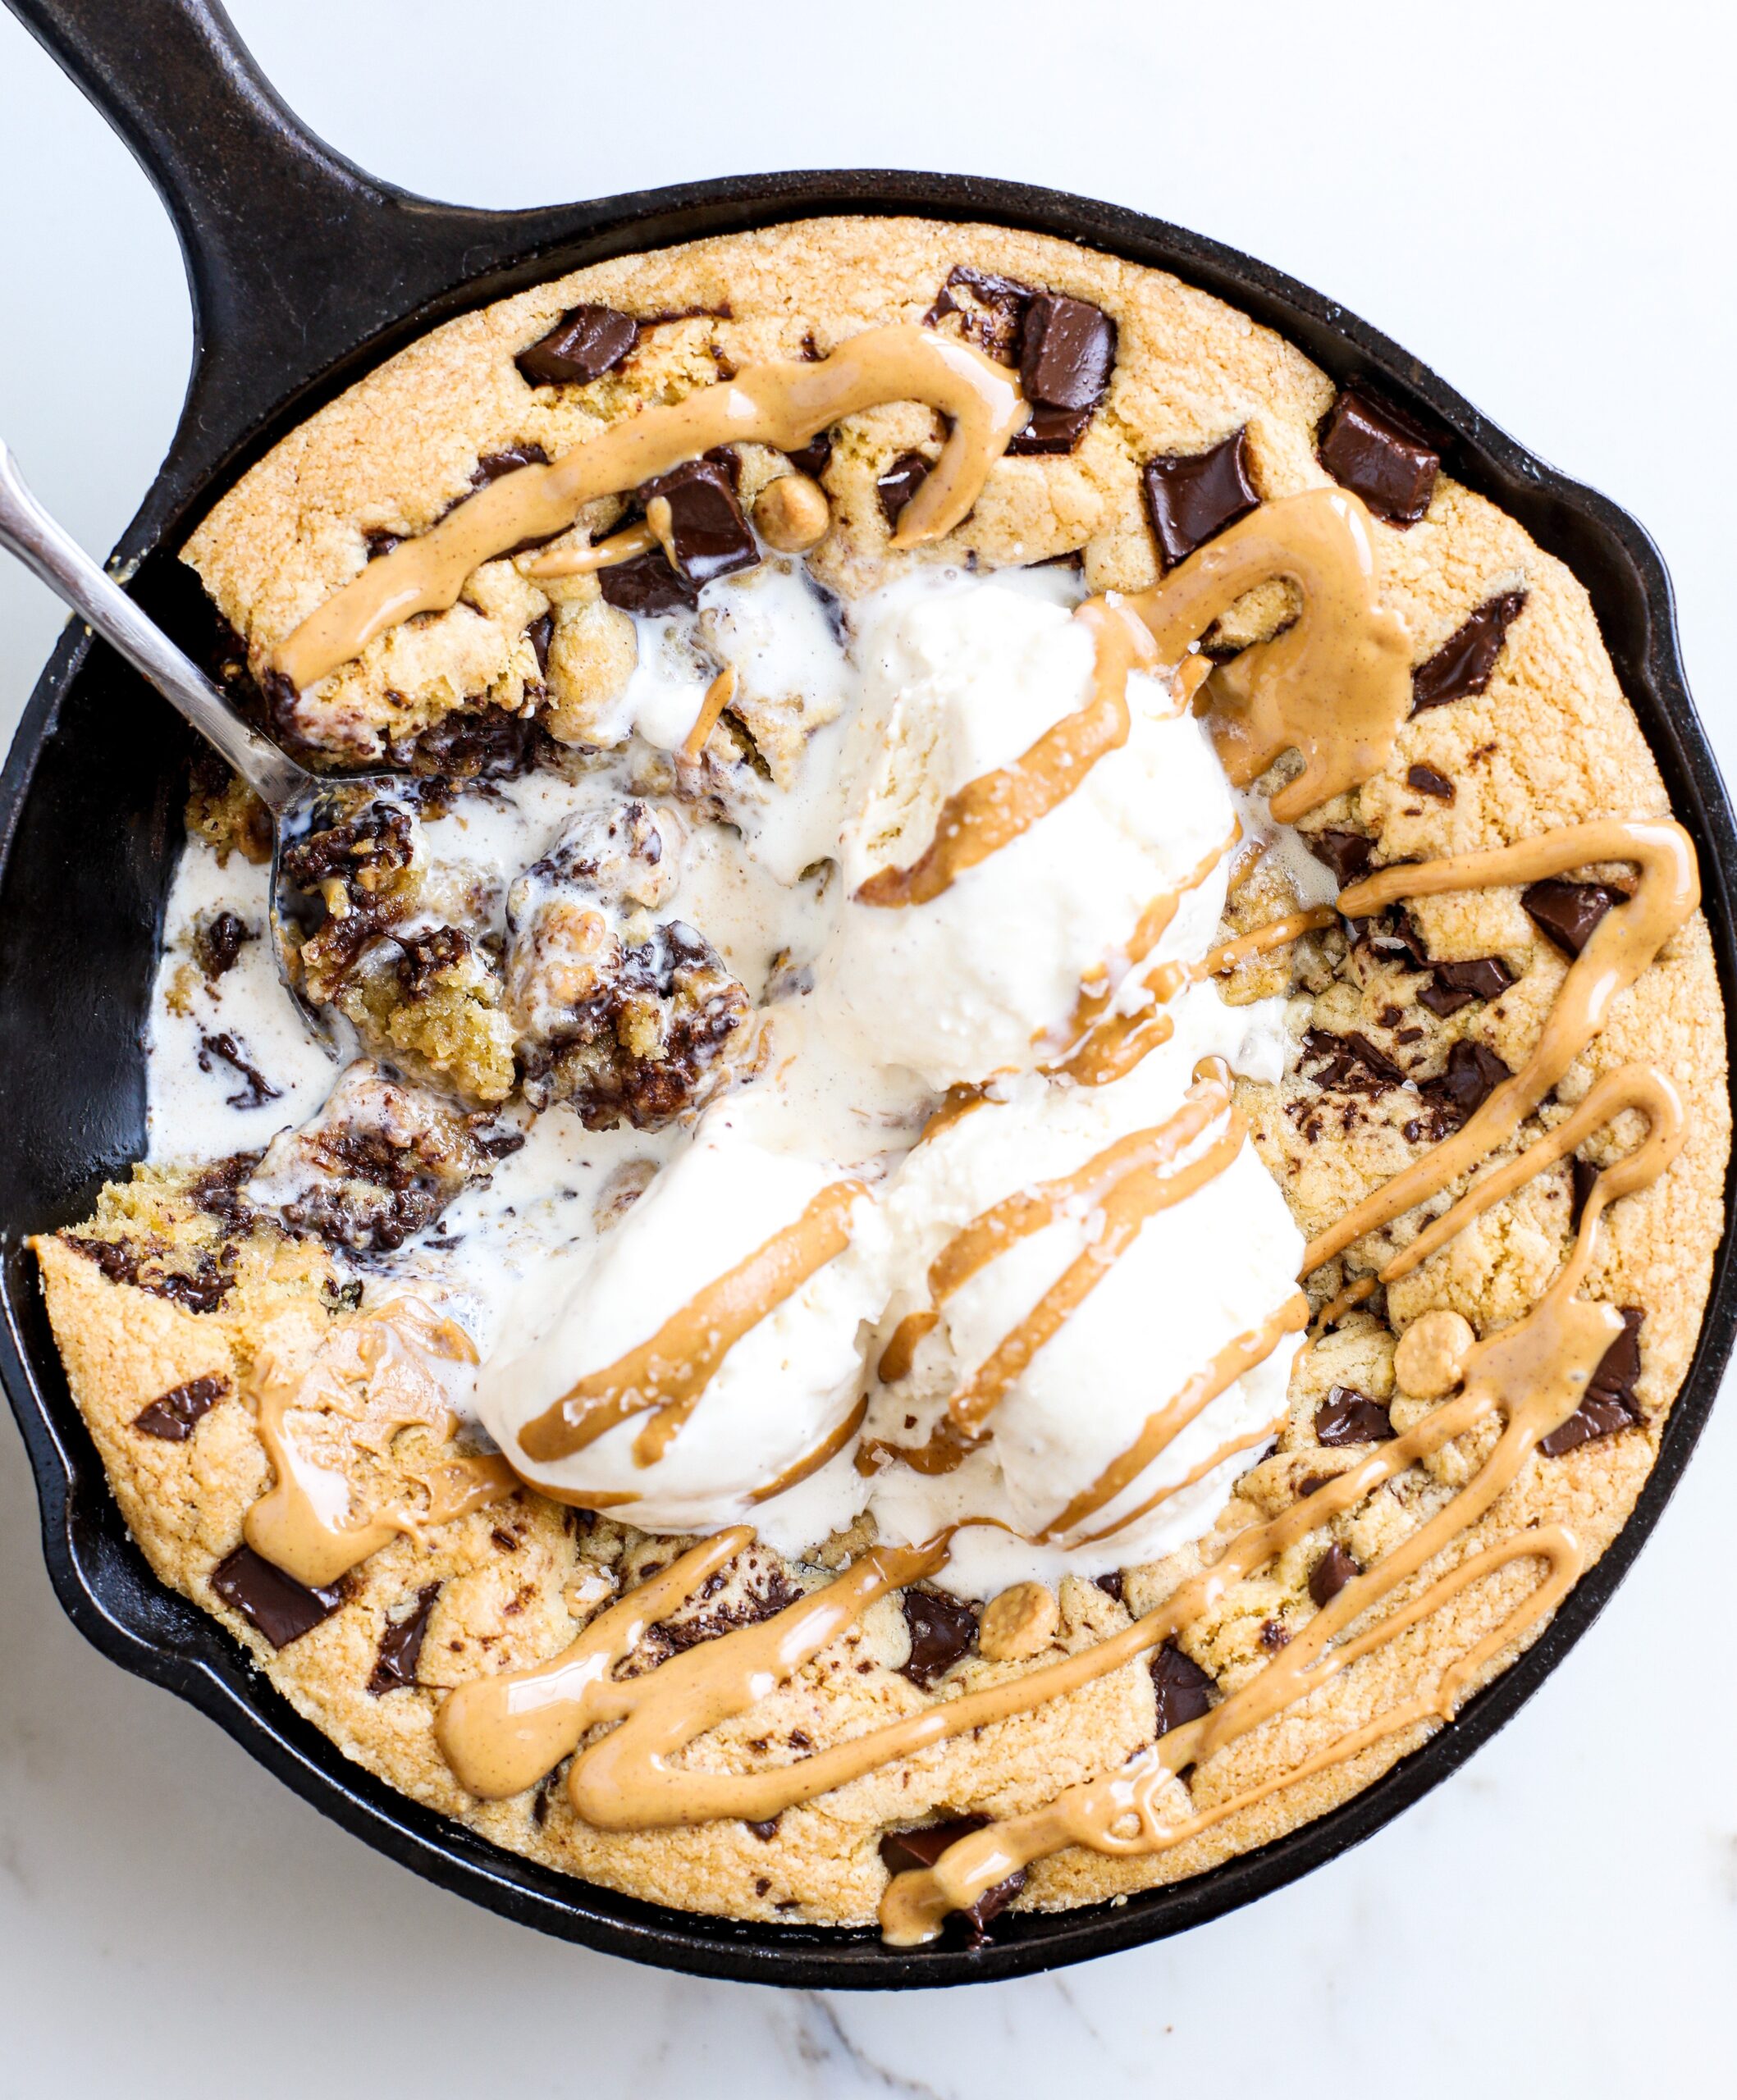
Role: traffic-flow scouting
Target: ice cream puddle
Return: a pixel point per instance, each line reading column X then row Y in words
column 938, row 1105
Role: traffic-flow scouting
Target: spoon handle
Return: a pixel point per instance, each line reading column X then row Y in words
column 50, row 552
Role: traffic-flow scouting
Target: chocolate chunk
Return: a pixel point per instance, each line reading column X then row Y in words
column 1348, row 1416
column 814, row 457
column 201, row 1288
column 492, row 465
column 1274, row 1635
column 1464, row 662
column 1067, row 352
column 1350, row 1063
column 281, row 1608
column 1049, row 431
column 1458, row 983
column 1376, row 450
column 647, row 585
column 1331, row 1573
column 1110, row 1584
column 217, row 941
column 1609, row 1404
column 1347, row 853
column 943, row 1628
column 1191, row 496
column 900, row 482
column 993, row 318
column 1390, row 935
column 1427, row 781
column 1472, row 1074
column 380, row 543
column 1183, row 1689
column 766, row 1832
column 903, row 1851
column 707, row 531
column 174, row 1415
column 540, row 633
column 1567, row 912
column 584, row 343
column 401, row 1646
column 256, row 1090
column 1582, row 1175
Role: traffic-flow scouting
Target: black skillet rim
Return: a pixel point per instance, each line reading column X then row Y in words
column 99, row 1575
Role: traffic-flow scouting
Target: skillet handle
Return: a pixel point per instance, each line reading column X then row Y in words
column 295, row 255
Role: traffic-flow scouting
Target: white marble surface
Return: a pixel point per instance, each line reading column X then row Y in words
column 1537, row 199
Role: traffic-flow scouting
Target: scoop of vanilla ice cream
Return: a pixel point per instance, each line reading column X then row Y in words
column 960, row 677
column 1212, row 1266
column 787, row 1385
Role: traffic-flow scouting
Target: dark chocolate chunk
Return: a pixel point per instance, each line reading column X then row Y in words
column 1347, row 853
column 1110, row 1584
column 814, row 457
column 1191, row 496
column 1348, row 1416
column 201, row 1288
column 1331, row 1573
column 766, row 1832
column 1464, row 662
column 540, row 633
column 1427, row 781
column 256, row 1089
column 1049, row 431
column 707, row 531
column 584, row 343
column 993, row 312
column 1582, row 1175
column 1350, row 1063
column 900, row 482
column 1458, row 983
column 380, row 543
column 943, row 1628
column 646, row 584
column 281, row 1608
column 217, row 941
column 174, row 1415
column 1609, row 1404
column 1184, row 1690
column 1067, row 352
column 401, row 1646
column 1372, row 449
column 492, row 465
column 904, row 1852
column 1567, row 912
column 1390, row 935
column 1274, row 1635
column 1472, row 1074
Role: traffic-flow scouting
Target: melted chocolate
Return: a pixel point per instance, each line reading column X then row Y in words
column 1183, row 1690
column 1067, row 352
column 281, row 1608
column 1192, row 495
column 584, row 343
column 1609, row 1404
column 173, row 1416
column 943, row 1629
column 1377, row 452
column 708, row 534
column 1427, row 781
column 1347, row 853
column 1331, row 1573
column 1464, row 662
column 900, row 482
column 646, row 584
column 1348, row 1416
column 1567, row 912
column 401, row 1646
column 1457, row 984
column 903, row 1851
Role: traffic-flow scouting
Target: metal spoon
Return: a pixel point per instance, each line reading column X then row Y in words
column 299, row 801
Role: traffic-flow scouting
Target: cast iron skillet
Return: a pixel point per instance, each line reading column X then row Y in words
column 305, row 272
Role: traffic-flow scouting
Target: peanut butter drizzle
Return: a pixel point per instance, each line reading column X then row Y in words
column 719, row 695
column 1336, row 685
column 503, row 1734
column 371, row 1377
column 991, row 812
column 669, row 1372
column 1623, row 943
column 783, row 405
column 1096, row 1058
column 633, row 540
column 1128, row 1181
column 1534, row 1375
column 1239, row 1355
